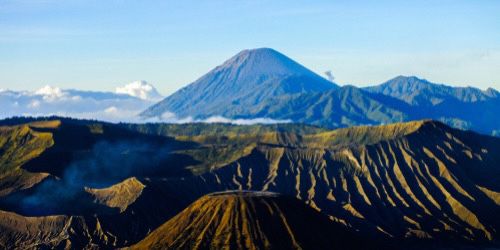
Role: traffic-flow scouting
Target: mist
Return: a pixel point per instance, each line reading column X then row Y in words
column 106, row 164
column 169, row 117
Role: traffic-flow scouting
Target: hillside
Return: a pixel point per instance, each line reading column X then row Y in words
column 421, row 181
column 250, row 220
column 19, row 145
column 51, row 232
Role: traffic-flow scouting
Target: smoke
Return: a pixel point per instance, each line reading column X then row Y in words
column 106, row 164
column 109, row 162
column 329, row 75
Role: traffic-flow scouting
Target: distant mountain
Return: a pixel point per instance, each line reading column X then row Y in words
column 263, row 83
column 124, row 105
column 421, row 92
column 244, row 80
column 342, row 107
column 462, row 107
column 251, row 220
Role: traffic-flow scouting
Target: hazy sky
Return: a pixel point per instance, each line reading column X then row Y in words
column 104, row 44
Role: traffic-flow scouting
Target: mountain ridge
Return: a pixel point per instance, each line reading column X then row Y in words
column 416, row 91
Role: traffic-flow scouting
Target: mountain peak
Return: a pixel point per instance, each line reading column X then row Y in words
column 410, row 81
column 240, row 83
column 262, row 50
column 403, row 77
column 264, row 61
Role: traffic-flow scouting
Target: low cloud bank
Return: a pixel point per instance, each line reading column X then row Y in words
column 169, row 117
column 116, row 115
column 121, row 111
column 48, row 100
column 124, row 105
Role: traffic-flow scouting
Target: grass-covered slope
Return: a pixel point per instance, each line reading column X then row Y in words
column 18, row 145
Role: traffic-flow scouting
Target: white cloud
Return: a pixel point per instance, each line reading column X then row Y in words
column 140, row 89
column 50, row 93
column 105, row 106
column 49, row 100
column 169, row 117
column 262, row 120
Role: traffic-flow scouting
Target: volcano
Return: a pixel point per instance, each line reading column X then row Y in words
column 243, row 81
column 250, row 220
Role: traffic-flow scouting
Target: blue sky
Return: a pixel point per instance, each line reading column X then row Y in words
column 100, row 45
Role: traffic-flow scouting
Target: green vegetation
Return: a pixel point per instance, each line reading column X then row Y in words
column 219, row 130
column 19, row 144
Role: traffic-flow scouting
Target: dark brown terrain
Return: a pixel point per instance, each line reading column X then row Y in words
column 85, row 184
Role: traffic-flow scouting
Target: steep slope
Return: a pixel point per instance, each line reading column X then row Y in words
column 51, row 232
column 19, row 145
column 244, row 80
column 416, row 180
column 250, row 220
column 425, row 181
column 120, row 195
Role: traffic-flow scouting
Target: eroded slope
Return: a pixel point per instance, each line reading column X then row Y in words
column 248, row 220
column 408, row 180
column 432, row 182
